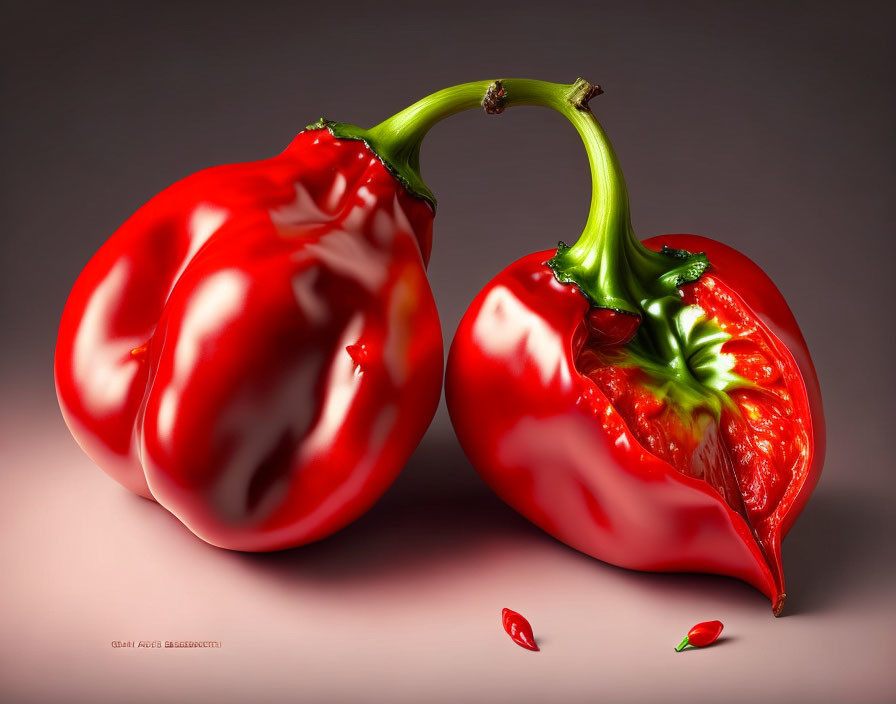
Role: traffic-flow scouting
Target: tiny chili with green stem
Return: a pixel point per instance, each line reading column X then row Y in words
column 701, row 635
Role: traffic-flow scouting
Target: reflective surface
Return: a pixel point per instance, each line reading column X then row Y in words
column 257, row 348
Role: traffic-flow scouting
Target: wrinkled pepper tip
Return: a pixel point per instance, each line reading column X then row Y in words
column 778, row 606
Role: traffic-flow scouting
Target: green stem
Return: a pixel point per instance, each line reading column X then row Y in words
column 684, row 644
column 608, row 263
column 396, row 141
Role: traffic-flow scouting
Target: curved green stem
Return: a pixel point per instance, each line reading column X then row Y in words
column 608, row 264
column 396, row 141
column 684, row 644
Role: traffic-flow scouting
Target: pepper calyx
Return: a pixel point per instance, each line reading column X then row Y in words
column 623, row 275
column 692, row 267
column 396, row 163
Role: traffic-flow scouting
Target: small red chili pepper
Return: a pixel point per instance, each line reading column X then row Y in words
column 518, row 629
column 700, row 635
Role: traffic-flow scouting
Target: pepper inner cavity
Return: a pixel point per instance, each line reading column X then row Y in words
column 749, row 444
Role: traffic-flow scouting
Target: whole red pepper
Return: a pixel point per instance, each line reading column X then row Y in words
column 651, row 404
column 257, row 348
column 701, row 635
column 519, row 629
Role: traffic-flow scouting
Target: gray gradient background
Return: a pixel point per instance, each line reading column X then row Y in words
column 769, row 128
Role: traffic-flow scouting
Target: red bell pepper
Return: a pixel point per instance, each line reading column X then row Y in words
column 651, row 404
column 257, row 348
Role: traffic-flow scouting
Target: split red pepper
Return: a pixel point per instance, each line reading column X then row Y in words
column 651, row 404
column 257, row 348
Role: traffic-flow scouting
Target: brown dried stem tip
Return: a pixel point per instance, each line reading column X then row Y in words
column 583, row 91
column 493, row 102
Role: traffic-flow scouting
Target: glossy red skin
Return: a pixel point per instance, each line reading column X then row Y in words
column 519, row 629
column 705, row 633
column 548, row 442
column 257, row 348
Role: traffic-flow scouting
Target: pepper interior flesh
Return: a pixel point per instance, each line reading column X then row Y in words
column 755, row 451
